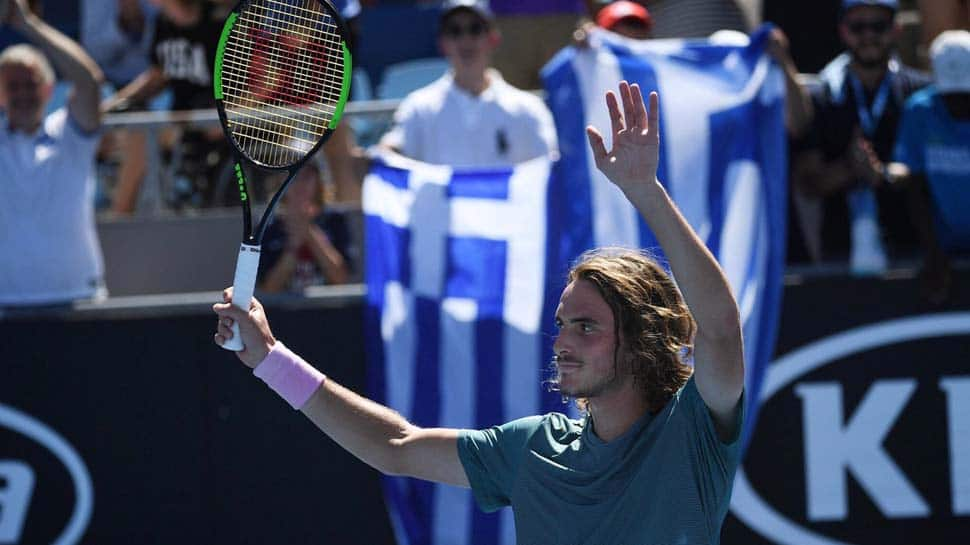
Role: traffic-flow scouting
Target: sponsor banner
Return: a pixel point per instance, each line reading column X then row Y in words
column 46, row 474
column 862, row 437
column 864, row 429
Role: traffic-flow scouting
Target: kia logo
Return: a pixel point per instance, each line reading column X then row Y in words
column 836, row 443
column 17, row 477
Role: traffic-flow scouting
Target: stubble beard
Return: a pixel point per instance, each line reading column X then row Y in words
column 601, row 386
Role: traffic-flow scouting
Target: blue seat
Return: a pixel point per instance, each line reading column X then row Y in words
column 401, row 78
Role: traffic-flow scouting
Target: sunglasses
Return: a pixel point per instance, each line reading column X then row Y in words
column 455, row 31
column 880, row 26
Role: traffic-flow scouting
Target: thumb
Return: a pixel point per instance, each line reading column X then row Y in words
column 596, row 144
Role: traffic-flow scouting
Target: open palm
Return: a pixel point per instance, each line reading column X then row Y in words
column 636, row 139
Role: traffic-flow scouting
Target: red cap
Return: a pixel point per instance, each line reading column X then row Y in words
column 613, row 12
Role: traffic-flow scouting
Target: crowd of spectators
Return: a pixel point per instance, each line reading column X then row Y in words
column 879, row 150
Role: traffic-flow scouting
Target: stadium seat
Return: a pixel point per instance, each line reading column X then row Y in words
column 401, row 78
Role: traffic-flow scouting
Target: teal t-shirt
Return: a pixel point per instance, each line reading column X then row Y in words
column 666, row 481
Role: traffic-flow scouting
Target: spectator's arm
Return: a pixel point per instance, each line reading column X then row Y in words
column 936, row 266
column 327, row 257
column 148, row 84
column 278, row 276
column 816, row 177
column 798, row 104
column 70, row 60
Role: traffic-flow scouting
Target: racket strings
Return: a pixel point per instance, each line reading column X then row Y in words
column 282, row 77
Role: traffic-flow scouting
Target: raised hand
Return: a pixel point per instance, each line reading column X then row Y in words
column 636, row 139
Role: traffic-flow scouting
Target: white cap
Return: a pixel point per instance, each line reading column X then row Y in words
column 950, row 54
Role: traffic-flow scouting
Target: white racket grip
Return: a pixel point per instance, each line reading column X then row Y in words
column 247, row 265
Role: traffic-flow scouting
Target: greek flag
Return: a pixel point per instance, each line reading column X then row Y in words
column 723, row 160
column 464, row 267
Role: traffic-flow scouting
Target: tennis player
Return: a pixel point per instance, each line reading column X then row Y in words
column 654, row 457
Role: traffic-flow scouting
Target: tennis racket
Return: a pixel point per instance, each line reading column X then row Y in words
column 281, row 80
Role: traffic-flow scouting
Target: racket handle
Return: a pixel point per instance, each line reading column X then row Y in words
column 247, row 265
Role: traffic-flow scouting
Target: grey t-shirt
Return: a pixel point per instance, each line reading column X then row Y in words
column 666, row 481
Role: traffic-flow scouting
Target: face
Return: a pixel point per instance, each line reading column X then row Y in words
column 586, row 343
column 24, row 94
column 869, row 33
column 467, row 41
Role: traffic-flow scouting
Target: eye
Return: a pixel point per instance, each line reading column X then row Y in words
column 558, row 323
column 586, row 327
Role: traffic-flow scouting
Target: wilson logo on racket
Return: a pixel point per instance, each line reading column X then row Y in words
column 241, row 182
column 287, row 83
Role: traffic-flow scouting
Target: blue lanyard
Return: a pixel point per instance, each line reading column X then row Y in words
column 869, row 119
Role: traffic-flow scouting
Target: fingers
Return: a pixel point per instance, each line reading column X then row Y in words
column 616, row 119
column 636, row 116
column 639, row 109
column 223, row 330
column 224, row 327
column 653, row 116
column 629, row 110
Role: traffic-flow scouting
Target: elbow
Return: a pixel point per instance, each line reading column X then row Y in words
column 394, row 457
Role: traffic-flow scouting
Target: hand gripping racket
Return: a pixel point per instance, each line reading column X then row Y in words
column 281, row 80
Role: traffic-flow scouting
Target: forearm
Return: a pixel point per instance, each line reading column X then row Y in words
column 701, row 280
column 798, row 104
column 70, row 60
column 921, row 211
column 145, row 86
column 366, row 429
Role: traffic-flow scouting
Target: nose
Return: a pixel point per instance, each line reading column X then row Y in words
column 560, row 347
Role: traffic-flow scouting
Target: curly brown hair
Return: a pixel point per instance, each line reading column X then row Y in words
column 652, row 325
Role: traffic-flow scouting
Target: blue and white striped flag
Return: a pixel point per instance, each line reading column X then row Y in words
column 464, row 268
column 455, row 276
column 723, row 160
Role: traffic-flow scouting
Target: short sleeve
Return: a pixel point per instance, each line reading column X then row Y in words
column 491, row 459
column 909, row 149
column 726, row 453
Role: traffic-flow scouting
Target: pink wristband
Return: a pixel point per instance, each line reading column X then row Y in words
column 289, row 375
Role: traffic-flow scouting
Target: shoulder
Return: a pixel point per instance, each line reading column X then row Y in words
column 912, row 79
column 921, row 100
column 692, row 405
column 522, row 429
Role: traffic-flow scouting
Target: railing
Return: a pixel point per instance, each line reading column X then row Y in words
column 368, row 118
